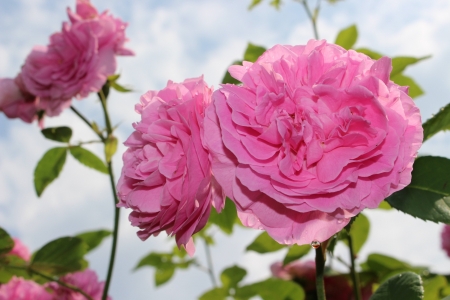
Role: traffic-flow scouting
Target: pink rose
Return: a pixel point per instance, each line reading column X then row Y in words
column 166, row 178
column 78, row 59
column 86, row 280
column 21, row 289
column 314, row 135
column 445, row 236
column 20, row 250
column 16, row 103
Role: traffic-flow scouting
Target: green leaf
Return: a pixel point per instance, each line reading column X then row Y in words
column 254, row 3
column 230, row 277
column 402, row 286
column 48, row 168
column 93, row 238
column 118, row 87
column 400, row 63
column 6, row 242
column 439, row 122
column 227, row 218
column 154, row 259
column 369, row 53
column 228, row 78
column 264, row 243
column 113, row 77
column 88, row 159
column 428, row 195
column 433, row 286
column 384, row 205
column 61, row 256
column 110, row 148
column 6, row 272
column 215, row 294
column 253, row 52
column 347, row 37
column 59, row 134
column 403, row 80
column 272, row 289
column 359, row 231
column 296, row 252
column 164, row 273
column 384, row 266
column 276, row 3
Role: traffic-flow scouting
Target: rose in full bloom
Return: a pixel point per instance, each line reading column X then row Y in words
column 77, row 61
column 86, row 280
column 166, row 178
column 16, row 102
column 20, row 250
column 314, row 135
column 445, row 239
column 21, row 289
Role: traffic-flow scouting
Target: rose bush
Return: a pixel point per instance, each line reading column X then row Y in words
column 314, row 135
column 166, row 178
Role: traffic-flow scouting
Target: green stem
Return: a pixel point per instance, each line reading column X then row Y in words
column 210, row 264
column 87, row 122
column 355, row 278
column 320, row 268
column 105, row 112
column 312, row 16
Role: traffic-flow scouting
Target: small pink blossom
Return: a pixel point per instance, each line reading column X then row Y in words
column 314, row 135
column 166, row 178
column 20, row 250
column 86, row 280
column 445, row 239
column 21, row 289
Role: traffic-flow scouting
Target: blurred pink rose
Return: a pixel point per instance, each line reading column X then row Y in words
column 77, row 60
column 21, row 289
column 314, row 135
column 166, row 178
column 16, row 103
column 20, row 250
column 445, row 236
column 86, row 280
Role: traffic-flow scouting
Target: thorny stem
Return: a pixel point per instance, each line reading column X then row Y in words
column 312, row 15
column 355, row 278
column 320, row 267
column 210, row 264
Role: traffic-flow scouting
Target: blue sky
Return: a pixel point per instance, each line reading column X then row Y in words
column 181, row 39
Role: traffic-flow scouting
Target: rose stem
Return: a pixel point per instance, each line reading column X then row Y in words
column 210, row 264
column 320, row 267
column 312, row 16
column 355, row 278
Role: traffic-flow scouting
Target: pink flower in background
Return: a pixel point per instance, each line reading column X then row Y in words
column 20, row 250
column 445, row 236
column 314, row 135
column 166, row 178
column 16, row 103
column 86, row 280
column 21, row 289
column 77, row 60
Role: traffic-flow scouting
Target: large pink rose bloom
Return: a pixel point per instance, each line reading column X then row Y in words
column 86, row 280
column 314, row 135
column 166, row 178
column 16, row 103
column 21, row 289
column 20, row 250
column 445, row 239
column 77, row 60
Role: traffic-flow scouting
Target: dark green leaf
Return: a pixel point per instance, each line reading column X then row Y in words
column 48, row 168
column 272, row 289
column 253, row 52
column 88, row 159
column 296, row 252
column 428, row 195
column 439, row 122
column 433, row 287
column 105, row 90
column 60, row 256
column 414, row 88
column 385, row 266
column 228, row 78
column 118, row 87
column 110, row 148
column 164, row 273
column 359, row 231
column 402, row 286
column 347, row 37
column 400, row 63
column 215, row 294
column 6, row 272
column 226, row 219
column 254, row 3
column 6, row 242
column 264, row 243
column 369, row 53
column 93, row 238
column 59, row 134
column 230, row 277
